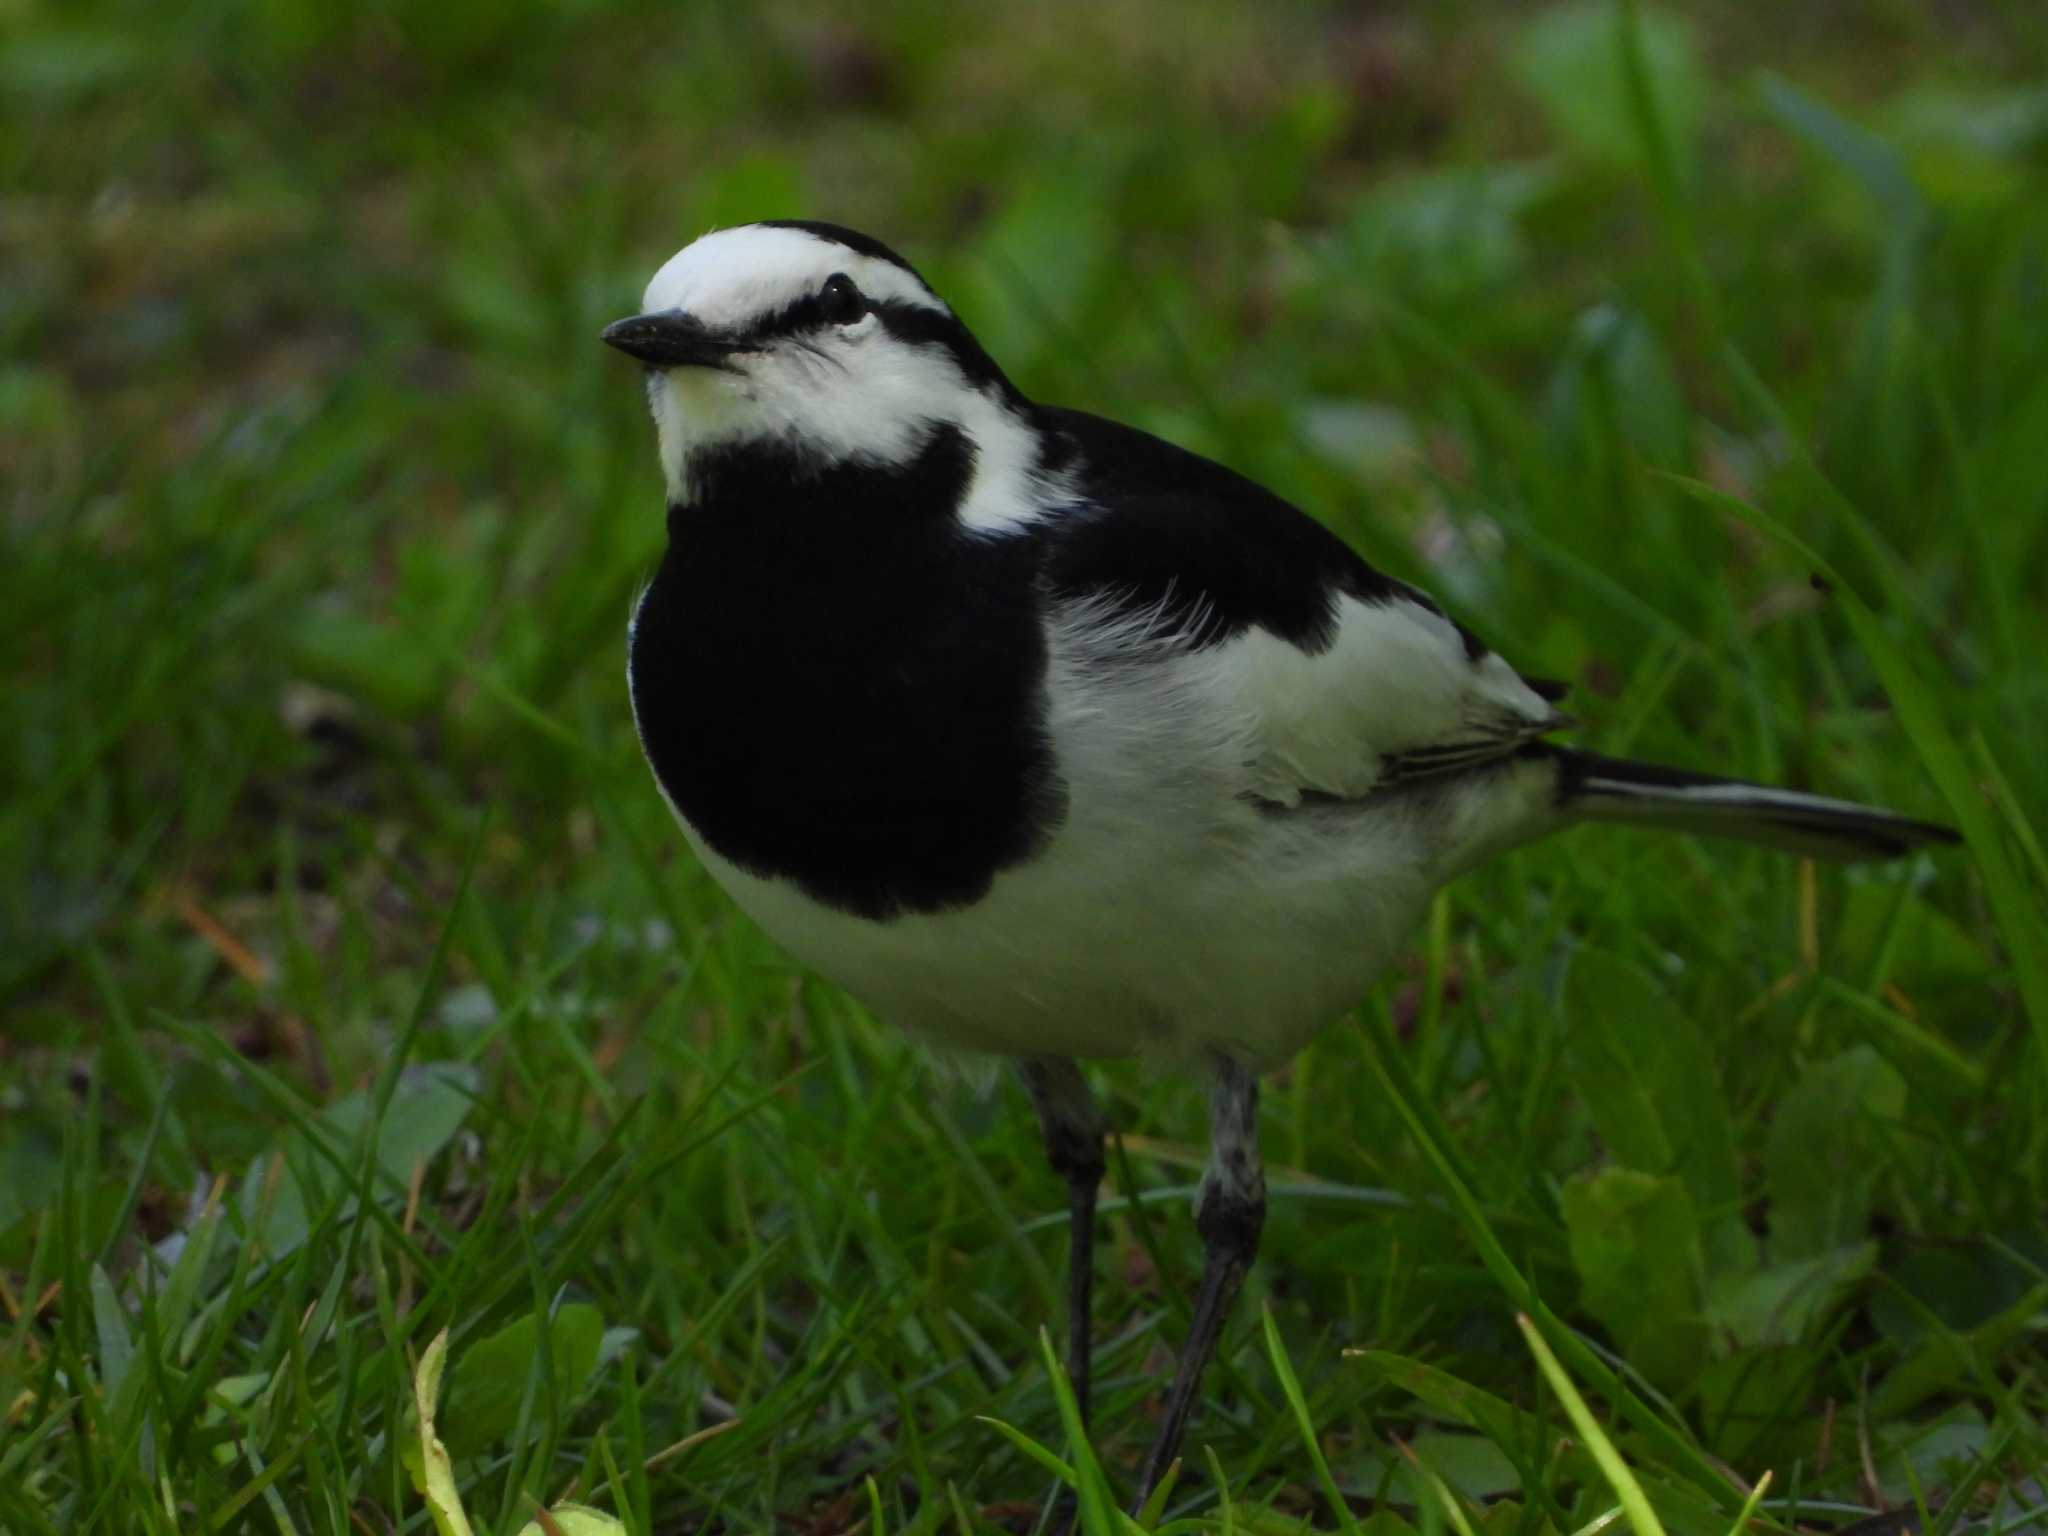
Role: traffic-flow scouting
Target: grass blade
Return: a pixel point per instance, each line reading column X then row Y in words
column 1290, row 1386
column 1426, row 1127
column 1626, row 1488
column 2021, row 919
column 1099, row 1514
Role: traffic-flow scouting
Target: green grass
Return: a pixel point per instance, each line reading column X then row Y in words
column 356, row 985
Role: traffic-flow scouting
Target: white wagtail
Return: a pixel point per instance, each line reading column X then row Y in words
column 1051, row 740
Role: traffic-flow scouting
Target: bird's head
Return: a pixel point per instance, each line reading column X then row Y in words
column 810, row 339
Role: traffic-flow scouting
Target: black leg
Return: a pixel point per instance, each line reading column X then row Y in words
column 1229, row 1212
column 1072, row 1122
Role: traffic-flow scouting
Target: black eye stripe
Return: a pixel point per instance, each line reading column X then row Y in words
column 808, row 313
column 921, row 326
column 916, row 324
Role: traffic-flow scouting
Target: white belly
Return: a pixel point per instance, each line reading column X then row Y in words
column 1172, row 913
column 1165, row 947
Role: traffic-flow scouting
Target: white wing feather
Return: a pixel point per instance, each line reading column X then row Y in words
column 1395, row 695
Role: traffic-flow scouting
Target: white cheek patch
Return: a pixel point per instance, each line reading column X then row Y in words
column 820, row 407
column 869, row 398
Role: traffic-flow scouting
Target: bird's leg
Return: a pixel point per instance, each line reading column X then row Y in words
column 1072, row 1123
column 1229, row 1211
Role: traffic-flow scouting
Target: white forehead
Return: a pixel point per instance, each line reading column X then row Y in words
column 733, row 275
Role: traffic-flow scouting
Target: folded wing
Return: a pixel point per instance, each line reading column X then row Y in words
column 1347, row 680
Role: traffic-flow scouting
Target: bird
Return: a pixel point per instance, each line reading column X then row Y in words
column 1051, row 741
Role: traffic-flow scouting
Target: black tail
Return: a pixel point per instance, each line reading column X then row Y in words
column 1614, row 789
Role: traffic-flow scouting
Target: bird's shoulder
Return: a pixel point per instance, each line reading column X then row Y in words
column 1166, row 529
column 1354, row 679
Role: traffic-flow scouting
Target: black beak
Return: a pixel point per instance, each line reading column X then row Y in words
column 670, row 340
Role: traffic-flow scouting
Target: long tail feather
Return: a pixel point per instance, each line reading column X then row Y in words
column 1613, row 789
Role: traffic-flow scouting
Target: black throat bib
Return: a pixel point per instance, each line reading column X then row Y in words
column 838, row 684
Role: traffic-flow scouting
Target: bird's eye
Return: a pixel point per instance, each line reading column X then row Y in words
column 840, row 301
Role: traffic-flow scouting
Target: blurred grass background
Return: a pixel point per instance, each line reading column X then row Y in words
column 356, row 984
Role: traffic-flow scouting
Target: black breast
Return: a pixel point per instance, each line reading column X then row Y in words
column 837, row 684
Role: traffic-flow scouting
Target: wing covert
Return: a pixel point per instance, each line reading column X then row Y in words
column 1348, row 679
